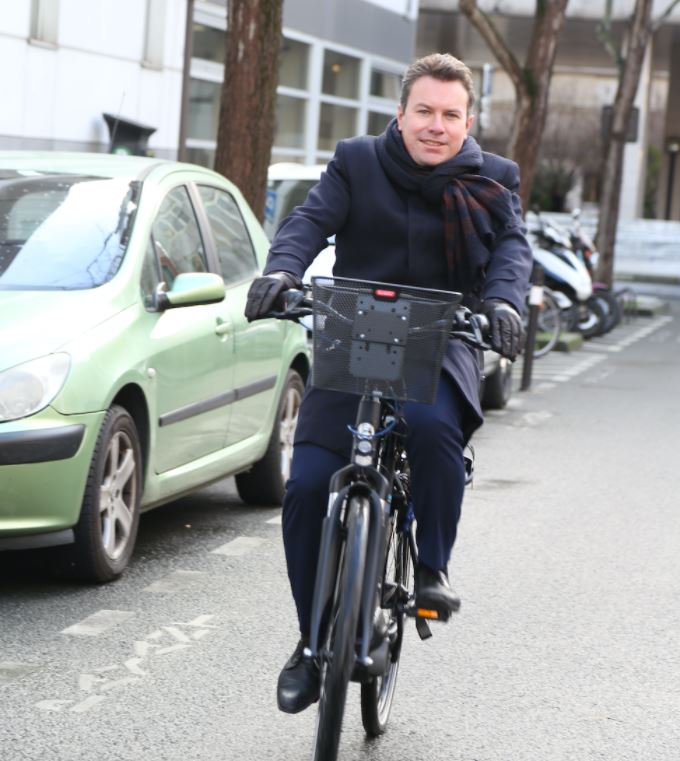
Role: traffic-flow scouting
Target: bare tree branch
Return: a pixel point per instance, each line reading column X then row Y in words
column 603, row 31
column 494, row 40
column 657, row 22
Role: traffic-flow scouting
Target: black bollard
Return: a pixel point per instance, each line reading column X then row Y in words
column 535, row 303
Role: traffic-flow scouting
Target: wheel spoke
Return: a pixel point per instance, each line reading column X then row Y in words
column 122, row 518
column 125, row 469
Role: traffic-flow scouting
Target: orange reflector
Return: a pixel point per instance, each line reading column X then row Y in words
column 425, row 613
column 384, row 293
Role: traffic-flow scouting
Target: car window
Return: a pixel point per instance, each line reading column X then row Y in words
column 234, row 247
column 150, row 276
column 177, row 237
column 61, row 231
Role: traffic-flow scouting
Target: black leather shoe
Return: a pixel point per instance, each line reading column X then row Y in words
column 433, row 591
column 298, row 685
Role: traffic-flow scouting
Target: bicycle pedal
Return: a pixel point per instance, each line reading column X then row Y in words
column 432, row 615
column 423, row 628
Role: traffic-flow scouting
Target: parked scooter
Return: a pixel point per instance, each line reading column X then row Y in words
column 585, row 249
column 565, row 274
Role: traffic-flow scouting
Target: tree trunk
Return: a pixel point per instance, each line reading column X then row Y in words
column 531, row 82
column 639, row 32
column 248, row 104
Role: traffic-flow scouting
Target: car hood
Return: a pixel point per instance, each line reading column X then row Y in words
column 36, row 323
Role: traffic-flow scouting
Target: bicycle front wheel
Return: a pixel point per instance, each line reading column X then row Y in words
column 378, row 693
column 338, row 655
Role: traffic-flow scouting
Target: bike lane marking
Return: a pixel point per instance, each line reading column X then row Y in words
column 94, row 687
column 98, row 622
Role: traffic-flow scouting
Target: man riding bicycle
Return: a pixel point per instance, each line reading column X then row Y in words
column 419, row 205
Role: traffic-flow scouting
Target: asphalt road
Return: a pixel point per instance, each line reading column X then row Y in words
column 566, row 646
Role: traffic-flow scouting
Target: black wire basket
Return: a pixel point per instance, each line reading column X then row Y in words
column 377, row 337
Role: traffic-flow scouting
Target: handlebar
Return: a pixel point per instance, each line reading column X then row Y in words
column 467, row 326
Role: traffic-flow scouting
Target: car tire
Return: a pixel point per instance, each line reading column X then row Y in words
column 109, row 517
column 498, row 386
column 265, row 482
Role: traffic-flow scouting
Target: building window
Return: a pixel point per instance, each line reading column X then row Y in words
column 209, row 43
column 377, row 122
column 335, row 123
column 204, row 109
column 290, row 121
column 340, row 75
column 45, row 21
column 385, row 84
column 294, row 64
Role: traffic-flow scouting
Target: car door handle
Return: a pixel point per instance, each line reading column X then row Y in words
column 223, row 327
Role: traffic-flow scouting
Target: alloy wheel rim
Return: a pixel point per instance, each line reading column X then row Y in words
column 117, row 495
column 287, row 424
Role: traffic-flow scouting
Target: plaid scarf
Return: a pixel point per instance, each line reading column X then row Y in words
column 474, row 207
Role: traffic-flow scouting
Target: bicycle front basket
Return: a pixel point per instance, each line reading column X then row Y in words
column 378, row 337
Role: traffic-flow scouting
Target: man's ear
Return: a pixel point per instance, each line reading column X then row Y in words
column 470, row 122
column 400, row 116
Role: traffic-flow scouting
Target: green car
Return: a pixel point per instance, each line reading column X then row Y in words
column 128, row 373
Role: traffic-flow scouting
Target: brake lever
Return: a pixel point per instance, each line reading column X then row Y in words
column 295, row 306
column 478, row 328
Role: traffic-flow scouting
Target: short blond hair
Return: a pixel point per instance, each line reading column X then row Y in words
column 442, row 66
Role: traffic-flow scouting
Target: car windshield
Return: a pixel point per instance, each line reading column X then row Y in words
column 62, row 231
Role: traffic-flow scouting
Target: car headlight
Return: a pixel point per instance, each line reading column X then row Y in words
column 28, row 388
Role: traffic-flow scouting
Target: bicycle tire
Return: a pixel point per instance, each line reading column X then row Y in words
column 378, row 693
column 338, row 657
column 549, row 326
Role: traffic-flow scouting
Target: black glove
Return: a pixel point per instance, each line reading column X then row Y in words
column 506, row 331
column 265, row 291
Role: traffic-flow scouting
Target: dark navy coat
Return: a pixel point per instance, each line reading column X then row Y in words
column 385, row 233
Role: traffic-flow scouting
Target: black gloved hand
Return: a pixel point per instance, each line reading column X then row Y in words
column 265, row 291
column 506, row 331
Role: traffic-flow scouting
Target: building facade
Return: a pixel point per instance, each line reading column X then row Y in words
column 158, row 65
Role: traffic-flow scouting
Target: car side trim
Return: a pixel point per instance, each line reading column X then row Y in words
column 36, row 541
column 45, row 445
column 214, row 402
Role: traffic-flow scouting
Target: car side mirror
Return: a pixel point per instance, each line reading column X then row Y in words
column 191, row 289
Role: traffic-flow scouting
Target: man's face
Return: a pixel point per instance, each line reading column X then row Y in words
column 435, row 122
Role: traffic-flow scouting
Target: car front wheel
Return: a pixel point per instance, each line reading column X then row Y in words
column 265, row 482
column 107, row 529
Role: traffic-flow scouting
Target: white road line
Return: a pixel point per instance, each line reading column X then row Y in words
column 275, row 521
column 177, row 581
column 242, row 545
column 98, row 622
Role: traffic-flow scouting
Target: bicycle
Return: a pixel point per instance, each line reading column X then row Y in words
column 384, row 343
column 549, row 325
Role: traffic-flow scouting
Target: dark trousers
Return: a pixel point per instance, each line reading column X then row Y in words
column 435, row 449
